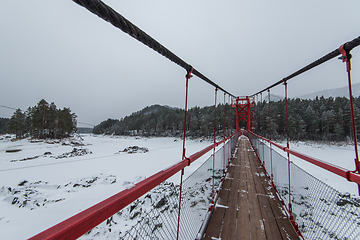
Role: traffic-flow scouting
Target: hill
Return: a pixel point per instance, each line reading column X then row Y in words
column 154, row 109
column 157, row 120
column 335, row 92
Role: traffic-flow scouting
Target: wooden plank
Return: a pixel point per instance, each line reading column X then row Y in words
column 285, row 227
column 243, row 219
column 228, row 231
column 247, row 203
column 256, row 220
column 272, row 230
column 214, row 227
column 223, row 197
column 226, row 184
column 230, row 172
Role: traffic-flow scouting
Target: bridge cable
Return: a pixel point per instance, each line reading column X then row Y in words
column 110, row 15
column 348, row 46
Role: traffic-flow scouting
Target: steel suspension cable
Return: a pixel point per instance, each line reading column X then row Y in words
column 110, row 15
column 347, row 46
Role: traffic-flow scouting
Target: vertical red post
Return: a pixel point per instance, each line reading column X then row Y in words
column 346, row 56
column 229, row 132
column 213, row 179
column 288, row 145
column 224, row 135
column 262, row 131
column 243, row 112
column 272, row 173
column 237, row 115
column 188, row 76
column 248, row 114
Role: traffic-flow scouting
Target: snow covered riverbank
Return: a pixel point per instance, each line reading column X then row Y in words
column 341, row 155
column 45, row 182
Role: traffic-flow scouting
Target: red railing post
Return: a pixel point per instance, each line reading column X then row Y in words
column 346, row 56
column 262, row 131
column 288, row 145
column 224, row 136
column 229, row 133
column 213, row 178
column 188, row 76
column 178, row 223
column 271, row 163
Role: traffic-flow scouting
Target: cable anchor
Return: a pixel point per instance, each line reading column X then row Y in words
column 346, row 56
column 188, row 75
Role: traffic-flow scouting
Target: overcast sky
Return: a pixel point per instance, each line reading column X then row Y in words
column 59, row 51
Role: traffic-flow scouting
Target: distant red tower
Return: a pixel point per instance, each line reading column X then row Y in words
column 243, row 106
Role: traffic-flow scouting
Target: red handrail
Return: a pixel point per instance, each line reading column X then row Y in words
column 79, row 224
column 345, row 173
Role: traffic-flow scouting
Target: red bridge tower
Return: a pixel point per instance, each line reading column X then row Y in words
column 243, row 111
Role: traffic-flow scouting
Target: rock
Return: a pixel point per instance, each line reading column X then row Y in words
column 12, row 150
column 135, row 149
column 74, row 153
column 22, row 183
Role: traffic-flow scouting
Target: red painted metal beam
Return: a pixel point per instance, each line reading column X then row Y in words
column 345, row 173
column 79, row 224
column 82, row 222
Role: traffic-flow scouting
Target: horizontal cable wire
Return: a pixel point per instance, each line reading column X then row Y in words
column 347, row 46
column 110, row 15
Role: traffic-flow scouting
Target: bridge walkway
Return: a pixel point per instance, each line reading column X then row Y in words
column 247, row 206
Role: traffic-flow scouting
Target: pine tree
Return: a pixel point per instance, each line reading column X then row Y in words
column 17, row 124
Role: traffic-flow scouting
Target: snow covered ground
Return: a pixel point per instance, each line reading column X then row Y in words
column 341, row 155
column 45, row 182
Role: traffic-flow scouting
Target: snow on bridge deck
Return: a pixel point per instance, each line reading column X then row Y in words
column 247, row 206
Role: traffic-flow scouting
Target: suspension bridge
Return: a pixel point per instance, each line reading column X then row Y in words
column 245, row 189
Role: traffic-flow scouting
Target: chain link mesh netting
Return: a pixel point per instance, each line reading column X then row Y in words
column 320, row 211
column 155, row 215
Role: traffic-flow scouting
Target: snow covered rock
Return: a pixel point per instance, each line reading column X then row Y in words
column 135, row 149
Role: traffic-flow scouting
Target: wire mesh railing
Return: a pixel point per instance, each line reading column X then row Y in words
column 320, row 211
column 155, row 215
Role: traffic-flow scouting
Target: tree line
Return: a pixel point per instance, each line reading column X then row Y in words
column 3, row 125
column 159, row 120
column 321, row 119
column 42, row 121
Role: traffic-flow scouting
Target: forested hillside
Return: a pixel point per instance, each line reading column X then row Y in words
column 325, row 119
column 319, row 119
column 159, row 120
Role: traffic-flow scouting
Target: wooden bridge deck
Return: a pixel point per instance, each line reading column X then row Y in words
column 247, row 207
